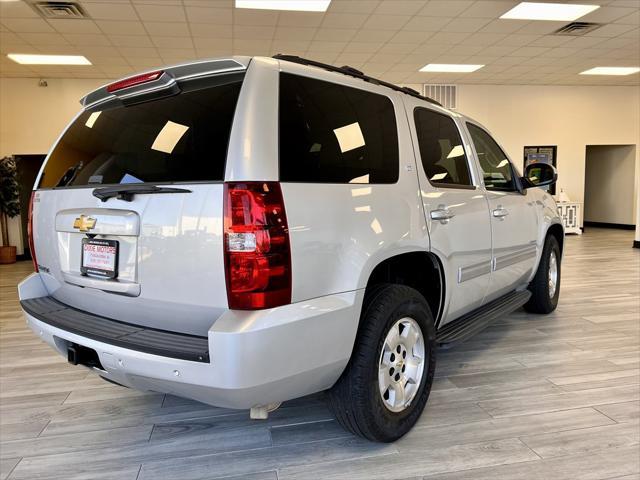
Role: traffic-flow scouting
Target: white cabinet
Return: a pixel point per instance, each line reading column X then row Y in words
column 571, row 213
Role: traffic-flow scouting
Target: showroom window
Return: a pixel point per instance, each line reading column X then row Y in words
column 182, row 138
column 441, row 150
column 496, row 167
column 330, row 133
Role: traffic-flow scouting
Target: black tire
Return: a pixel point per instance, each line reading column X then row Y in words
column 541, row 301
column 355, row 399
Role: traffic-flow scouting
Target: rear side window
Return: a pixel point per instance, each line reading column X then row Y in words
column 330, row 133
column 441, row 150
column 496, row 167
column 182, row 138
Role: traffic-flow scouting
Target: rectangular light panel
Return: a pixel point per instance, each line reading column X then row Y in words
column 29, row 59
column 294, row 5
column 450, row 67
column 611, row 71
column 548, row 11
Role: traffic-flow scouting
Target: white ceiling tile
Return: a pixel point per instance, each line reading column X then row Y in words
column 92, row 51
column 410, row 37
column 343, row 20
column 130, row 40
column 167, row 29
column 427, row 24
column 112, row 60
column 561, row 52
column 498, row 50
column 465, row 49
column 611, row 30
column 363, row 47
column 386, row 22
column 84, row 39
column 44, row 38
column 172, row 42
column 488, row 8
column 327, row 47
column 109, row 11
column 529, row 51
column 608, row 14
column 351, row 6
column 550, row 41
column 631, row 19
column 325, row 57
column 299, row 46
column 211, row 30
column 27, row 25
column 121, row 28
column 466, row 24
column 387, row 58
column 216, row 16
column 447, row 38
column 352, row 59
column 400, row 7
column 300, row 19
column 74, row 26
column 137, row 52
column 518, row 40
column 171, row 55
column 445, row 8
column 254, row 32
column 334, row 34
column 584, row 42
column 504, row 26
column 243, row 16
column 251, row 47
column 484, row 39
column 210, row 3
column 222, row 44
column 53, row 49
column 294, row 33
column 16, row 10
column 366, row 35
column 541, row 27
column 160, row 13
column 397, row 48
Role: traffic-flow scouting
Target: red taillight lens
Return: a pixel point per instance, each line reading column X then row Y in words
column 32, row 250
column 256, row 245
column 132, row 81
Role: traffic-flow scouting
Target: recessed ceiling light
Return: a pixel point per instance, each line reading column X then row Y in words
column 611, row 71
column 548, row 11
column 450, row 67
column 297, row 5
column 28, row 59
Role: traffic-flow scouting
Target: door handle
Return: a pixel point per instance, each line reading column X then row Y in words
column 500, row 212
column 443, row 215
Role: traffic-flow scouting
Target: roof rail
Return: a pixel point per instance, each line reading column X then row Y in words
column 352, row 72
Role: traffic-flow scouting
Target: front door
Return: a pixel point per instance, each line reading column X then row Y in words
column 455, row 208
column 514, row 221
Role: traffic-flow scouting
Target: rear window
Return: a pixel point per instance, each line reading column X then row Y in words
column 182, row 138
column 330, row 133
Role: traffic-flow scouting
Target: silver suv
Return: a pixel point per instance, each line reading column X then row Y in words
column 245, row 231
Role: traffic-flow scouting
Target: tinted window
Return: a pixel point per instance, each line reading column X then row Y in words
column 441, row 149
column 176, row 139
column 496, row 168
column 330, row 133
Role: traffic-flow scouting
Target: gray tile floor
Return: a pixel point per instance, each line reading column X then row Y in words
column 542, row 397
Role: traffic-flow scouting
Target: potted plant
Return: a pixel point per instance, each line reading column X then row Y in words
column 9, row 205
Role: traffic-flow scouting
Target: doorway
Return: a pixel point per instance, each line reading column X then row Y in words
column 610, row 190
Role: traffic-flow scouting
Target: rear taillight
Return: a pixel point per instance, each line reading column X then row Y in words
column 133, row 81
column 32, row 250
column 256, row 245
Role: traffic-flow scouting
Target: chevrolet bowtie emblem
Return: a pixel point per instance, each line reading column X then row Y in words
column 84, row 224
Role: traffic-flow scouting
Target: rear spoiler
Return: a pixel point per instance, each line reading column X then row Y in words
column 161, row 80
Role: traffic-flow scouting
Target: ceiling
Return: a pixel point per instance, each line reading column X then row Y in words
column 390, row 39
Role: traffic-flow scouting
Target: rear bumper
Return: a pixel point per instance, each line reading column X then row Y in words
column 255, row 358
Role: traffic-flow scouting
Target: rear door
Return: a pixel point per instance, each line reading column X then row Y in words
column 455, row 207
column 154, row 259
column 514, row 220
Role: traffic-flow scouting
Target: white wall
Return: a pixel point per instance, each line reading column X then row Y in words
column 31, row 118
column 609, row 184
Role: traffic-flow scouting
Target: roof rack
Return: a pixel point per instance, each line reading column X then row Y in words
column 352, row 72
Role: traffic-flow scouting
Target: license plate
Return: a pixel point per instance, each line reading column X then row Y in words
column 99, row 258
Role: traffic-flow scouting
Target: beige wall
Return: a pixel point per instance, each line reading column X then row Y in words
column 609, row 184
column 31, row 118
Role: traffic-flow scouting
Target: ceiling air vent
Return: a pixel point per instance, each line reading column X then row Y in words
column 444, row 94
column 576, row 29
column 59, row 9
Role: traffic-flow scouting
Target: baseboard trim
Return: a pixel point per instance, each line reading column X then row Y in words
column 620, row 226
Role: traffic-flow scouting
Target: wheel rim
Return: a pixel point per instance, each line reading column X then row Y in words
column 553, row 274
column 401, row 364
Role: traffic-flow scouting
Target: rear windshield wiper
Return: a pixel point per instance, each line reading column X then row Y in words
column 126, row 192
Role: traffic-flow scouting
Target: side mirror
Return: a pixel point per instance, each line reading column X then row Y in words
column 540, row 175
